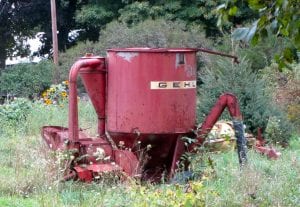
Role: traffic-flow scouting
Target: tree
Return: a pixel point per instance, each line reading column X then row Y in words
column 66, row 10
column 188, row 11
column 21, row 19
column 255, row 99
column 16, row 22
column 280, row 17
column 94, row 15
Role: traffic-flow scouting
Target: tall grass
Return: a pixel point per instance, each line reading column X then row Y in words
column 262, row 183
column 29, row 176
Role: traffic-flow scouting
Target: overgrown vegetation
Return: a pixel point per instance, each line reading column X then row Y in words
column 269, row 99
column 16, row 110
column 255, row 98
column 275, row 17
column 29, row 174
column 246, row 80
column 26, row 80
column 149, row 33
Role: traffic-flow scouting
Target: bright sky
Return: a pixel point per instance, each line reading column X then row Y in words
column 34, row 46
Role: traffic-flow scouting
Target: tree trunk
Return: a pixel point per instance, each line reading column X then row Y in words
column 2, row 57
column 3, row 51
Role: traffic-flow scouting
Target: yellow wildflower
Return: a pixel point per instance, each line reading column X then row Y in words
column 44, row 94
column 63, row 94
column 48, row 101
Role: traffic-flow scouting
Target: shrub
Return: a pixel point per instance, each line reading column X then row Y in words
column 139, row 11
column 294, row 114
column 26, row 80
column 150, row 33
column 286, row 90
column 67, row 59
column 254, row 97
column 259, row 56
column 16, row 110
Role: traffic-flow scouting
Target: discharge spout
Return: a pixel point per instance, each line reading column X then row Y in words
column 86, row 63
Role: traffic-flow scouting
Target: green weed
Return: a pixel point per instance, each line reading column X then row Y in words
column 29, row 175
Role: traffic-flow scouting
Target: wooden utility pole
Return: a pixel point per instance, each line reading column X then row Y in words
column 54, row 39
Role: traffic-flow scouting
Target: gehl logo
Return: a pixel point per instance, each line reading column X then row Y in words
column 173, row 84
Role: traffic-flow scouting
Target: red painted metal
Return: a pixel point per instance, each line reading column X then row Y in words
column 94, row 80
column 84, row 64
column 127, row 161
column 260, row 147
column 84, row 174
column 57, row 139
column 268, row 151
column 226, row 100
column 145, row 100
column 88, row 173
column 151, row 99
column 134, row 107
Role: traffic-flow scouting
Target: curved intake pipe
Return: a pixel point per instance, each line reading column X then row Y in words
column 230, row 102
column 86, row 63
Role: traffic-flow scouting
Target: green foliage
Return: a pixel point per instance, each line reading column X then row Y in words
column 17, row 21
column 26, row 80
column 138, row 12
column 13, row 114
column 16, row 110
column 191, row 12
column 153, row 33
column 254, row 98
column 170, row 196
column 93, row 16
column 273, row 130
column 234, row 13
column 245, row 33
column 276, row 17
column 285, row 87
column 259, row 56
column 263, row 182
column 294, row 114
column 150, row 33
column 29, row 174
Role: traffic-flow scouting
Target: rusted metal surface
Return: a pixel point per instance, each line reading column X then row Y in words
column 229, row 101
column 155, row 152
column 55, row 136
column 151, row 91
column 145, row 100
column 226, row 100
column 84, row 64
column 94, row 81
column 127, row 161
column 270, row 152
column 89, row 172
column 261, row 147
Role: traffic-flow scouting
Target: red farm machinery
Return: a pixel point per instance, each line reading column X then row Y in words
column 145, row 98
